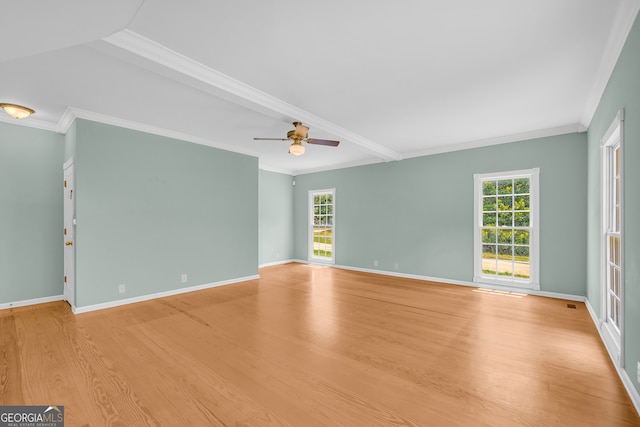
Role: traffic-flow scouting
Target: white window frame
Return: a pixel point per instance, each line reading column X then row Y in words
column 612, row 334
column 311, row 255
column 534, row 237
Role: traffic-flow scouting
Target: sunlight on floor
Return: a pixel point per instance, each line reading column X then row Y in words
column 501, row 293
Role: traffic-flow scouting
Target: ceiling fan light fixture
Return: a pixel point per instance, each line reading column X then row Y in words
column 17, row 111
column 296, row 149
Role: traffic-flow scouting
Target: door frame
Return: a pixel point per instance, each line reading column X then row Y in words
column 69, row 232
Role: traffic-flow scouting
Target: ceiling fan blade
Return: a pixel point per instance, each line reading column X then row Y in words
column 323, row 142
column 270, row 139
column 301, row 131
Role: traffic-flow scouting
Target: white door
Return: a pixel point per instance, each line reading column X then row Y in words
column 69, row 234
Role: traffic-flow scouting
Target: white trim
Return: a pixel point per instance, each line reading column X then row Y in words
column 66, row 120
column 34, row 301
column 68, row 163
column 622, row 373
column 117, row 303
column 614, row 127
column 613, row 340
column 271, row 264
column 345, row 165
column 268, row 168
column 525, row 136
column 623, row 22
column 29, row 122
column 555, row 295
column 241, row 92
column 128, row 124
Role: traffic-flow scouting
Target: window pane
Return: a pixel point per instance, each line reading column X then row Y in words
column 505, row 260
column 521, row 185
column 505, row 236
column 521, row 237
column 614, row 248
column 488, row 235
column 489, row 259
column 505, row 219
column 505, row 186
column 488, row 188
column 489, row 219
column 521, row 253
column 505, row 203
column 489, row 251
column 521, row 219
column 488, row 204
column 521, row 203
column 505, row 251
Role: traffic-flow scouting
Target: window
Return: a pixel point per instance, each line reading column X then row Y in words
column 321, row 225
column 612, row 259
column 506, row 228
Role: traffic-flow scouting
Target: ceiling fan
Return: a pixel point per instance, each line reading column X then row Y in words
column 299, row 135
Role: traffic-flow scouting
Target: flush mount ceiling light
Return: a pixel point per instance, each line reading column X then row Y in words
column 17, row 111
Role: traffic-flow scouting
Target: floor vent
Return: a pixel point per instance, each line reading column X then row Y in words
column 571, row 306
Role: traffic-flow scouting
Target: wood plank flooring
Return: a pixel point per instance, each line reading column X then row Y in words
column 311, row 346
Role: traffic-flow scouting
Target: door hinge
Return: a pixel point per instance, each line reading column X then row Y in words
column 65, row 279
column 65, row 231
column 65, row 183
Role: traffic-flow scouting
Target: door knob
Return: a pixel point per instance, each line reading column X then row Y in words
column 68, row 243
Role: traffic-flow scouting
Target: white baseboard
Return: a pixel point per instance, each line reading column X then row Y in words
column 34, row 301
column 117, row 303
column 270, row 264
column 556, row 295
column 624, row 377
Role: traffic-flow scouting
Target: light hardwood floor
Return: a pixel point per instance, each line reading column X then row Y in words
column 306, row 346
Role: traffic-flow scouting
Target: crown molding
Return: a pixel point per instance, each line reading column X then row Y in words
column 66, row 120
column 29, row 122
column 74, row 113
column 543, row 133
column 623, row 22
column 268, row 168
column 241, row 92
column 345, row 165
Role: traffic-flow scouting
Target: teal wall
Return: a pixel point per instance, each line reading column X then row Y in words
column 70, row 142
column 276, row 217
column 622, row 91
column 31, row 244
column 419, row 212
column 150, row 209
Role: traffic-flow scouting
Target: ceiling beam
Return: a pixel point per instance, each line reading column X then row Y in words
column 240, row 92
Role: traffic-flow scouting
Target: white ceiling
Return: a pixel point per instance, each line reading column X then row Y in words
column 390, row 80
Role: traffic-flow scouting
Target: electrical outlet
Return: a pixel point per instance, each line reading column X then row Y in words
column 638, row 372
column 122, row 288
column 396, row 266
column 375, row 262
column 184, row 278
